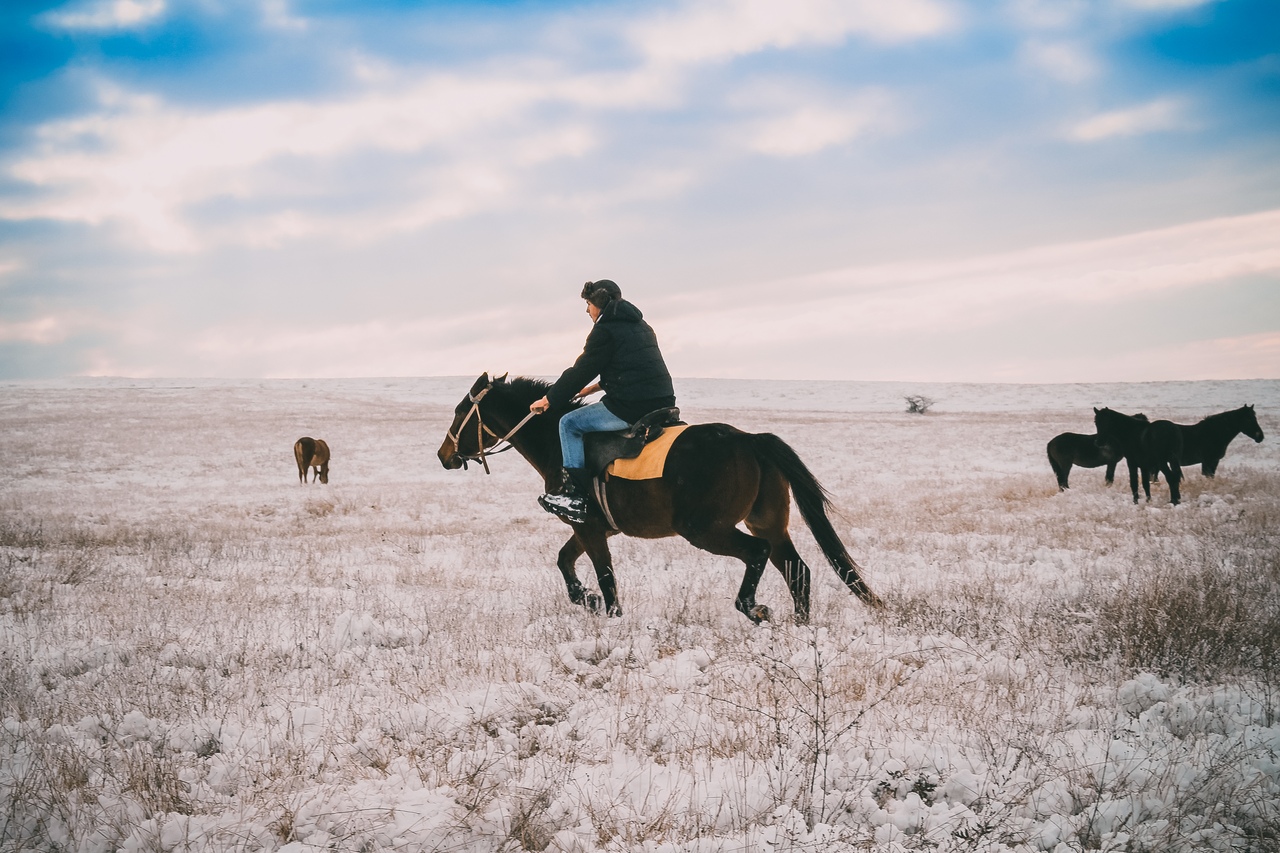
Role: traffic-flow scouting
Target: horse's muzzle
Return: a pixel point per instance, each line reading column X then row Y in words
column 448, row 454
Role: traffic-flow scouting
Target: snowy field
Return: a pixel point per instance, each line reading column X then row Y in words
column 199, row 654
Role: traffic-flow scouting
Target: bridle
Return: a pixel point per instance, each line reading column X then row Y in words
column 481, row 431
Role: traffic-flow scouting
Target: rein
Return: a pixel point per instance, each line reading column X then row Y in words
column 481, row 430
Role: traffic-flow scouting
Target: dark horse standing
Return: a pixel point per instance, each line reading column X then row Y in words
column 715, row 477
column 1163, row 446
column 1072, row 448
column 1147, row 447
column 1206, row 442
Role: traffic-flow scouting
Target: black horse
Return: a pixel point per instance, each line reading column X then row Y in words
column 1072, row 448
column 715, row 478
column 1206, row 442
column 1146, row 446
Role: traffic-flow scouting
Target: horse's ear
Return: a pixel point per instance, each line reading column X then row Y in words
column 502, row 378
column 480, row 383
column 1095, row 410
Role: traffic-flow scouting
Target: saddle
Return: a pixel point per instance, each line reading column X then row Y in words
column 603, row 448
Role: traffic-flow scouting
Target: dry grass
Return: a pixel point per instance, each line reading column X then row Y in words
column 245, row 659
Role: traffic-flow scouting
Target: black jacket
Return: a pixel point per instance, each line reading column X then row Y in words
column 623, row 351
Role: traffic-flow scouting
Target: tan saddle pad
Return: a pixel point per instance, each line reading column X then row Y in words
column 648, row 465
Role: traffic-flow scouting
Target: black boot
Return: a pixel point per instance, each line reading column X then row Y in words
column 569, row 502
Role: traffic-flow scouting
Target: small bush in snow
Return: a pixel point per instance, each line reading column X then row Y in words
column 918, row 404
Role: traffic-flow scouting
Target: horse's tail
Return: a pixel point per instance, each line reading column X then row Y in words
column 814, row 503
column 1056, row 464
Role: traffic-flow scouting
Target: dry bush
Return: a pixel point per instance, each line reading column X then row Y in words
column 1201, row 613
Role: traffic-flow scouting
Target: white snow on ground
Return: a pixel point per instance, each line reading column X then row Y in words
column 198, row 653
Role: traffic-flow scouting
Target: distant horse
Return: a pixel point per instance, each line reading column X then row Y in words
column 312, row 453
column 715, row 477
column 1072, row 448
column 1147, row 446
column 1206, row 442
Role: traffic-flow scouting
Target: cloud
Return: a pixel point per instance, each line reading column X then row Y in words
column 1048, row 14
column 42, row 330
column 1064, row 61
column 1244, row 357
column 532, row 340
column 717, row 30
column 920, row 298
column 277, row 15
column 142, row 162
column 107, row 15
column 1167, row 5
column 183, row 179
column 792, row 121
column 1160, row 115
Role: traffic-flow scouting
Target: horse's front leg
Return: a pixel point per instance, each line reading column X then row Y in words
column 1133, row 479
column 1146, row 485
column 1111, row 473
column 568, row 556
column 595, row 542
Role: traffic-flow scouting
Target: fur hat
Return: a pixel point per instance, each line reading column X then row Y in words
column 601, row 293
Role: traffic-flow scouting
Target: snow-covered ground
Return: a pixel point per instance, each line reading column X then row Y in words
column 198, row 653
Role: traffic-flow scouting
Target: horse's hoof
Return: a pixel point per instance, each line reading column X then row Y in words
column 593, row 602
column 759, row 613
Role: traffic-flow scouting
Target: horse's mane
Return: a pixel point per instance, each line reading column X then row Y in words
column 1222, row 416
column 526, row 389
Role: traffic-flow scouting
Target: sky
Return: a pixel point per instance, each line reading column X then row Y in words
column 923, row 190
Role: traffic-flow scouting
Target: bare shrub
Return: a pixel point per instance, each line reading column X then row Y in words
column 918, row 404
column 1197, row 615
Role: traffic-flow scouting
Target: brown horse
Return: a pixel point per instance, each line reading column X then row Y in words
column 312, row 453
column 715, row 478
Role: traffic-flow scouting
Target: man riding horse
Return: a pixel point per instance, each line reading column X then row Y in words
column 622, row 351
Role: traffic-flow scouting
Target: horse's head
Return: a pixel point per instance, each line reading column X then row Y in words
column 1115, row 428
column 467, row 437
column 1103, row 420
column 1249, row 423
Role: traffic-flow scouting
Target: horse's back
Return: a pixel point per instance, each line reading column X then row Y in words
column 1073, row 448
column 710, row 478
column 1163, row 442
column 303, row 449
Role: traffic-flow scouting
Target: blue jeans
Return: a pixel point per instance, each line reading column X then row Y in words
column 579, row 422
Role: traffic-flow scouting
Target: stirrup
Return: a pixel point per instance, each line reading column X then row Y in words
column 569, row 507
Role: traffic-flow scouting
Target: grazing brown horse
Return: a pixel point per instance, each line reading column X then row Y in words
column 715, row 478
column 312, row 453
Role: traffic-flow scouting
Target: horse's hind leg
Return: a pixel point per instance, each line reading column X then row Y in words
column 1111, row 473
column 786, row 559
column 769, row 519
column 1173, row 474
column 751, row 550
column 1061, row 470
